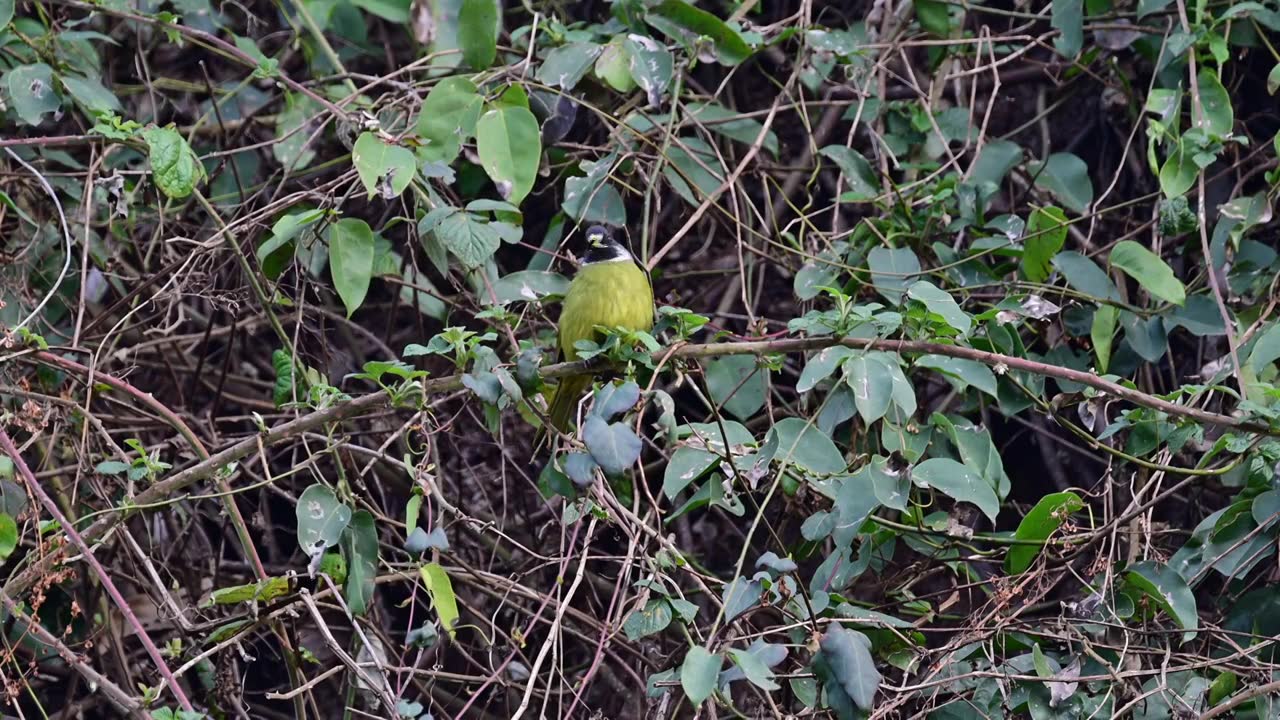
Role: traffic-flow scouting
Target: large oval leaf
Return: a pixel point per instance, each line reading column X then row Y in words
column 510, row 147
column 958, row 482
column 1152, row 273
column 351, row 250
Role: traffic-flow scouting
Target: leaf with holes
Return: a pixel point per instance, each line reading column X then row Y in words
column 510, row 148
column 651, row 66
column 1215, row 101
column 321, row 518
column 384, row 169
column 31, row 90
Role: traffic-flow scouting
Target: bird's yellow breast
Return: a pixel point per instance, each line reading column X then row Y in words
column 612, row 294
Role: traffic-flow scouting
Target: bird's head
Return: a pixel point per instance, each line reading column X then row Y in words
column 603, row 247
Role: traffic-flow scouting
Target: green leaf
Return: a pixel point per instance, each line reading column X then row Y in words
column 651, row 66
column 693, row 160
column 933, row 17
column 351, row 246
column 1178, row 173
column 804, row 445
column 31, row 90
column 1102, row 332
column 1215, row 102
column 529, row 286
column 614, row 67
column 1273, row 79
column 510, row 148
column 940, row 302
column 6, row 12
column 1084, row 275
column 686, row 465
column 291, row 148
column 384, row 169
column 652, row 619
column 90, row 92
column 613, row 399
column 8, row 536
column 821, row 365
column 478, row 25
column 321, row 518
column 393, row 11
column 472, row 241
column 1152, row 273
column 361, row 544
column 614, row 446
column 1068, row 19
column 892, row 271
column 581, row 468
column 739, row 596
column 566, row 65
column 753, row 664
column 114, row 467
column 737, row 384
column 994, row 161
column 729, row 46
column 1266, row 349
column 719, row 120
column 698, row 673
column 858, row 175
column 592, row 198
column 958, row 482
column 175, row 168
column 1045, row 236
column 448, row 118
column 1167, row 589
column 968, row 372
column 848, row 654
column 1039, row 523
column 440, row 588
column 869, row 377
column 1066, row 177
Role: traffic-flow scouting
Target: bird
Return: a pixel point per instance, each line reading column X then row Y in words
column 610, row 290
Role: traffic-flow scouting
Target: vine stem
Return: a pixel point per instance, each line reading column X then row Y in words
column 33, row 485
column 168, row 487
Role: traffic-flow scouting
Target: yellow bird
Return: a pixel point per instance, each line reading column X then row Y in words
column 609, row 290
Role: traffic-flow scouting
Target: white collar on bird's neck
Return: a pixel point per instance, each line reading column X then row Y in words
column 612, row 251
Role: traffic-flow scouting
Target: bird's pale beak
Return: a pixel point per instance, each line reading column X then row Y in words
column 596, row 240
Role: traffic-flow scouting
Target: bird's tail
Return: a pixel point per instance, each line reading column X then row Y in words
column 564, row 404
